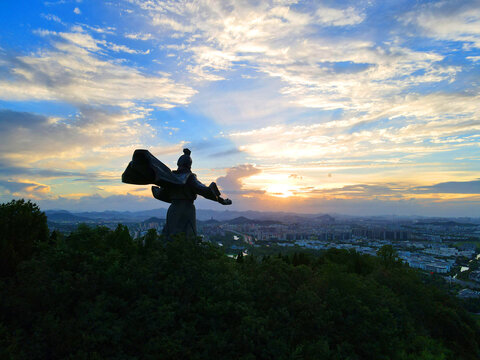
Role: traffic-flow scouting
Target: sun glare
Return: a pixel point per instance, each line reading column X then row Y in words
column 279, row 190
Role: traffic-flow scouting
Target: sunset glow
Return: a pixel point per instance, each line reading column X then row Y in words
column 353, row 106
column 280, row 190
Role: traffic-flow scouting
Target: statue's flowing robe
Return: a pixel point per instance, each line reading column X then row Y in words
column 180, row 188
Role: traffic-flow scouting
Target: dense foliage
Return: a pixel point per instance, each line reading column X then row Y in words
column 22, row 228
column 98, row 294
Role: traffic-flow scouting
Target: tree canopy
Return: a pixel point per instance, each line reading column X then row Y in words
column 99, row 294
column 22, row 228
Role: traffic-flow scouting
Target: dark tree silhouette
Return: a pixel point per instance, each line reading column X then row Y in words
column 22, row 227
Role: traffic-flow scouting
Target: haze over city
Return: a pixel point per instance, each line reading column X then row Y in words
column 353, row 107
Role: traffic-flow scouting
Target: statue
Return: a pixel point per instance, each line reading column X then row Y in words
column 179, row 188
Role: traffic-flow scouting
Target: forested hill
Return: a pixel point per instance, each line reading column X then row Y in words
column 99, row 294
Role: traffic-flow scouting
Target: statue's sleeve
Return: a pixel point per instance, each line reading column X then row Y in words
column 209, row 192
column 161, row 194
column 147, row 169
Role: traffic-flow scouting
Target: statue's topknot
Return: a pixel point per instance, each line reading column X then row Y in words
column 185, row 161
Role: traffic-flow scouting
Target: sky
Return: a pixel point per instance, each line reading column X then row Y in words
column 353, row 107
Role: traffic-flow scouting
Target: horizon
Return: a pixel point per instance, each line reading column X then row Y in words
column 273, row 213
column 357, row 108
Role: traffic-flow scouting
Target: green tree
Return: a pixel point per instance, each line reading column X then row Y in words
column 150, row 238
column 111, row 298
column 22, row 228
column 388, row 255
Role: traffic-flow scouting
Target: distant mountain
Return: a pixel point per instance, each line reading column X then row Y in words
column 60, row 216
column 240, row 220
column 243, row 220
column 154, row 220
column 123, row 216
column 445, row 223
column 209, row 222
column 325, row 219
column 250, row 215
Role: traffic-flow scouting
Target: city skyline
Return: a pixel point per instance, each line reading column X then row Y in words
column 360, row 108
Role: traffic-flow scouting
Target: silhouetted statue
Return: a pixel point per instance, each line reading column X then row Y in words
column 179, row 187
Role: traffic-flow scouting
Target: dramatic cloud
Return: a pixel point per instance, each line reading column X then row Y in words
column 86, row 151
column 75, row 72
column 340, row 72
column 412, row 125
column 231, row 183
column 25, row 188
column 31, row 138
column 383, row 96
column 396, row 191
column 451, row 187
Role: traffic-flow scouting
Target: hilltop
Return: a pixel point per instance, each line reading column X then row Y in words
column 98, row 293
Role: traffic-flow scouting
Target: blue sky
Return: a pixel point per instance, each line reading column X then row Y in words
column 357, row 107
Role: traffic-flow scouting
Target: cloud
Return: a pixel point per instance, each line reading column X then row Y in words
column 232, row 183
column 25, row 188
column 338, row 17
column 52, row 17
column 448, row 20
column 228, row 152
column 473, row 58
column 32, row 137
column 304, row 88
column 93, row 147
column 396, row 191
column 75, row 73
column 359, row 199
column 7, row 169
column 349, row 72
column 98, row 29
column 126, row 49
column 412, row 124
column 295, row 177
column 451, row 187
column 359, row 207
column 261, row 104
column 77, row 11
column 139, row 36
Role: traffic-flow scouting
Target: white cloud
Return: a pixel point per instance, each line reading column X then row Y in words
column 435, row 119
column 77, row 11
column 473, row 58
column 448, row 20
column 350, row 72
column 100, row 30
column 29, row 138
column 87, row 151
column 139, row 36
column 126, row 49
column 110, row 97
column 338, row 17
column 52, row 17
column 73, row 72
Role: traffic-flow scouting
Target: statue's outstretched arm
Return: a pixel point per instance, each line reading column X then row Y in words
column 210, row 192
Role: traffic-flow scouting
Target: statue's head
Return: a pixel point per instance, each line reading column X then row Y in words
column 185, row 161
